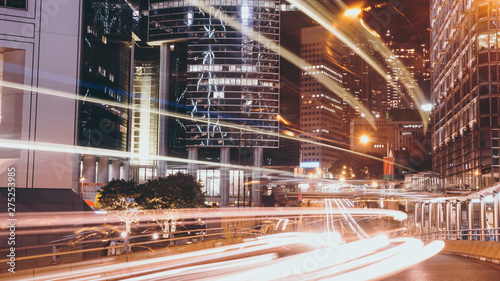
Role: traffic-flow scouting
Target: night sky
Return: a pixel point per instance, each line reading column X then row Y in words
column 417, row 11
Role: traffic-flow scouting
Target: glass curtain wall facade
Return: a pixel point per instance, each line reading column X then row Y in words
column 465, row 92
column 144, row 139
column 105, row 74
column 231, row 76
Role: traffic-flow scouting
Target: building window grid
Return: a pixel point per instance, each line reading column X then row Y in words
column 18, row 4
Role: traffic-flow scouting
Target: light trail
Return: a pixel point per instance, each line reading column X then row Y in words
column 44, row 219
column 7, row 143
column 323, row 258
column 271, row 257
column 296, row 60
column 356, row 227
column 324, row 17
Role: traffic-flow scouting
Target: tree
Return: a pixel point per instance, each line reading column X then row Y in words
column 173, row 192
column 117, row 195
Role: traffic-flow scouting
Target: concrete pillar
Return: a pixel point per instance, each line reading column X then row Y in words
column 448, row 220
column 483, row 218
column 458, row 210
column 257, row 192
column 193, row 156
column 496, row 216
column 114, row 170
column 416, row 213
column 439, row 214
column 88, row 171
column 163, row 106
column 431, row 214
column 224, row 177
column 470, row 218
column 125, row 170
column 422, row 215
column 76, row 185
column 103, row 170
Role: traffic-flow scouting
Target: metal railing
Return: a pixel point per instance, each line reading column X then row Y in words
column 474, row 234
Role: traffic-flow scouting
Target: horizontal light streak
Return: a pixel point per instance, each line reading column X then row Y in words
column 41, row 219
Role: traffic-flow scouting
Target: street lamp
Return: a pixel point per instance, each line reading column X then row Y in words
column 82, row 180
column 364, row 139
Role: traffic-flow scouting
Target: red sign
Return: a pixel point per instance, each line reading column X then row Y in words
column 388, row 168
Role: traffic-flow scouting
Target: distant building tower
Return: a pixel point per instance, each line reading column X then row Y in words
column 320, row 108
column 464, row 57
column 231, row 77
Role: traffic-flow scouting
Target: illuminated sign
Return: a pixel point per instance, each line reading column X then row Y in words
column 309, row 164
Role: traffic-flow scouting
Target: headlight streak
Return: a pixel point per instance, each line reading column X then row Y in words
column 144, row 266
column 208, row 270
column 408, row 244
column 90, row 151
column 325, row 256
column 347, row 219
column 68, row 218
column 393, row 264
column 356, row 228
column 324, row 17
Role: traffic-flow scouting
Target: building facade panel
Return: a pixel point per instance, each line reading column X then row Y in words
column 465, row 92
column 38, row 51
column 232, row 75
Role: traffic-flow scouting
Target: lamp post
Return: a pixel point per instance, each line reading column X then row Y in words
column 477, row 179
column 82, row 180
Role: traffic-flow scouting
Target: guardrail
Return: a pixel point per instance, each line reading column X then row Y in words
column 73, row 251
column 476, row 234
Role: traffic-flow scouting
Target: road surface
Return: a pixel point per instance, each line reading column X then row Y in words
column 448, row 267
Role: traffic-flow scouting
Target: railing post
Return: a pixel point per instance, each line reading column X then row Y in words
column 416, row 216
column 483, row 219
column 470, row 218
column 458, row 209
column 55, row 257
column 496, row 216
column 448, row 220
column 439, row 219
column 431, row 214
column 422, row 217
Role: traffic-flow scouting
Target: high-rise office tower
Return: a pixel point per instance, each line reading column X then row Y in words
column 320, row 108
column 232, row 75
column 105, row 74
column 464, row 57
column 292, row 20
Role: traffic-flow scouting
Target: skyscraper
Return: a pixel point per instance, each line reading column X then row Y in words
column 105, row 74
column 320, row 108
column 465, row 90
column 232, row 74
